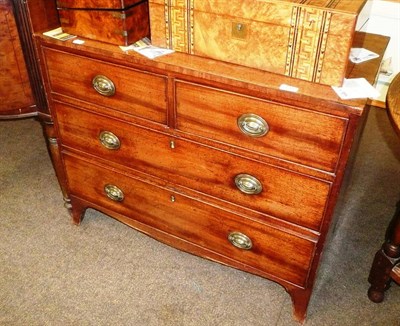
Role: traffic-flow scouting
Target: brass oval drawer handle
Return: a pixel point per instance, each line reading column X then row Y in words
column 248, row 184
column 113, row 192
column 252, row 125
column 103, row 85
column 240, row 240
column 109, row 140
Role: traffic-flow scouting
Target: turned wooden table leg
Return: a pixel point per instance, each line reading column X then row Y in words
column 385, row 260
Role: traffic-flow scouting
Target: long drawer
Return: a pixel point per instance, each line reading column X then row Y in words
column 260, row 187
column 116, row 87
column 261, row 246
column 269, row 128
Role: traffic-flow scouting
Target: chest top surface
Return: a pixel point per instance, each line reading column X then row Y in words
column 252, row 81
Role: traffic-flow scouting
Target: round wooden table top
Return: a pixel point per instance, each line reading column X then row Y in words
column 393, row 102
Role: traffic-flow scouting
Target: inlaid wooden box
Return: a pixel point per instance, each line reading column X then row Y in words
column 116, row 21
column 305, row 39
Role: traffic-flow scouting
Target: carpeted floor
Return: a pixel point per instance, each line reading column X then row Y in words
column 105, row 273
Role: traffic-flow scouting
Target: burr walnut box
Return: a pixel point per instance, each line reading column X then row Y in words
column 117, row 22
column 305, row 39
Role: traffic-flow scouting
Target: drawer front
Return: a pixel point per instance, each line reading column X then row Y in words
column 272, row 251
column 282, row 193
column 139, row 94
column 268, row 128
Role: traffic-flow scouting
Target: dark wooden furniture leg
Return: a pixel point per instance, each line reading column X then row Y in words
column 386, row 259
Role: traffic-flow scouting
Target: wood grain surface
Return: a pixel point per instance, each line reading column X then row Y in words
column 15, row 89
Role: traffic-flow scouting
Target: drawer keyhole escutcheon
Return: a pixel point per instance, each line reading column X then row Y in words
column 114, row 193
column 103, row 85
column 172, row 144
column 240, row 240
column 239, row 30
column 109, row 140
column 248, row 184
column 252, row 125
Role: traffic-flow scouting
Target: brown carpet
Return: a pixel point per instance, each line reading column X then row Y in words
column 105, row 273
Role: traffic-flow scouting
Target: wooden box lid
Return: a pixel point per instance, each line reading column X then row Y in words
column 238, row 6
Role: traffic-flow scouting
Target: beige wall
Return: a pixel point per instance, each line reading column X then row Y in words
column 385, row 20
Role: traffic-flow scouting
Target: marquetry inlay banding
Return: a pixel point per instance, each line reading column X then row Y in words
column 179, row 24
column 307, row 43
column 327, row 4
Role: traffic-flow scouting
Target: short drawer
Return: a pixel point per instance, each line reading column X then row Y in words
column 264, row 188
column 261, row 246
column 136, row 93
column 269, row 128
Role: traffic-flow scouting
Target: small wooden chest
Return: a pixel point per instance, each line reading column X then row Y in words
column 116, row 21
column 305, row 39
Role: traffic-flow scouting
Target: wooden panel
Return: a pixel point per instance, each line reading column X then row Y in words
column 221, row 45
column 157, row 25
column 292, row 197
column 301, row 136
column 72, row 76
column 274, row 251
column 123, row 27
column 15, row 90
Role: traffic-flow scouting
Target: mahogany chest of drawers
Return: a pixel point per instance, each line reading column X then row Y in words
column 212, row 158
